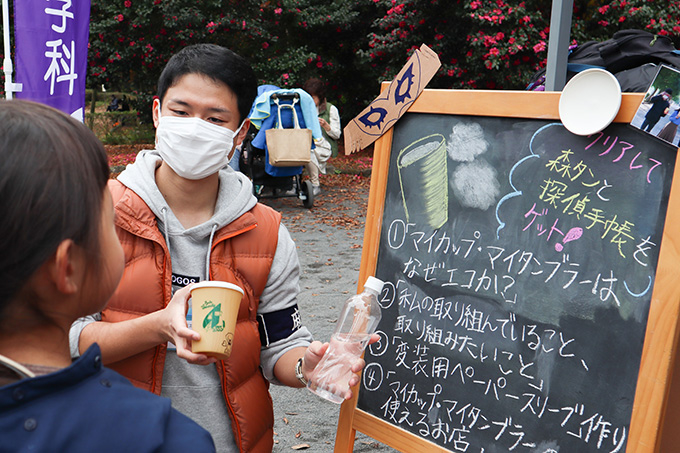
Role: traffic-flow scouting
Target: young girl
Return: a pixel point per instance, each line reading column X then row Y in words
column 60, row 260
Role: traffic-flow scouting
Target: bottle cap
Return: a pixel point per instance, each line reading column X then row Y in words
column 374, row 284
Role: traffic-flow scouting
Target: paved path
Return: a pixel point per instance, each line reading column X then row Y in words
column 329, row 239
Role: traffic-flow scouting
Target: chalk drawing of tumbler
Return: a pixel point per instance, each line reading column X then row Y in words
column 424, row 183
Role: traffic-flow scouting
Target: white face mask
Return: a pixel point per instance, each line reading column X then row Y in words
column 192, row 147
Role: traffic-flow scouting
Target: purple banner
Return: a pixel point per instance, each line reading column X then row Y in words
column 51, row 39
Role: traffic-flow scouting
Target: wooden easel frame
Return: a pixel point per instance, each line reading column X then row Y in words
column 655, row 380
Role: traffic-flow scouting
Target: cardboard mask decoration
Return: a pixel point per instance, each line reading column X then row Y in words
column 391, row 104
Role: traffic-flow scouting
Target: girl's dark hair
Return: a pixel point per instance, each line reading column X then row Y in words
column 217, row 63
column 53, row 172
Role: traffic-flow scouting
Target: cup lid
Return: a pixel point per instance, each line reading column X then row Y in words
column 590, row 101
column 217, row 284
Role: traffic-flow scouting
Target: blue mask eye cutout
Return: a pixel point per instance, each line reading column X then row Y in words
column 378, row 113
column 407, row 77
column 366, row 118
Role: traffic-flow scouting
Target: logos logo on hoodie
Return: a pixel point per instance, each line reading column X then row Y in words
column 183, row 280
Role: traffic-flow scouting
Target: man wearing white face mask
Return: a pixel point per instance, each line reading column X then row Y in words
column 192, row 147
column 182, row 216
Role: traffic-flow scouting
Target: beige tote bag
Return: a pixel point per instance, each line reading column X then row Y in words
column 288, row 147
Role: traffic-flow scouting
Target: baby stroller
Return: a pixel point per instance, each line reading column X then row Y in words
column 273, row 108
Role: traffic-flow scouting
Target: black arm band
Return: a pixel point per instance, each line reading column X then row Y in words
column 278, row 325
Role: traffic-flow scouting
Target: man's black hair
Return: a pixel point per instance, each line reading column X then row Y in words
column 217, row 63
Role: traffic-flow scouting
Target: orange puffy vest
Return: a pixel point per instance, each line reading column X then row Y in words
column 242, row 253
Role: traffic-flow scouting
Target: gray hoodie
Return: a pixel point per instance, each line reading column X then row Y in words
column 194, row 389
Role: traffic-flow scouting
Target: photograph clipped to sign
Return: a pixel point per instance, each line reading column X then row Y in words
column 659, row 111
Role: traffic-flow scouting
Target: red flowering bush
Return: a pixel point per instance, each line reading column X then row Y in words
column 481, row 43
column 286, row 41
column 499, row 44
column 509, row 44
column 131, row 40
column 353, row 45
column 404, row 27
column 662, row 18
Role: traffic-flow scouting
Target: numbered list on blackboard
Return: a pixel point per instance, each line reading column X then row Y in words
column 519, row 262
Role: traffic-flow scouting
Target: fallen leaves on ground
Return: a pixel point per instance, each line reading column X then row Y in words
column 121, row 155
column 342, row 204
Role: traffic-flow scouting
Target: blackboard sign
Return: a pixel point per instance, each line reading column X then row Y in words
column 520, row 262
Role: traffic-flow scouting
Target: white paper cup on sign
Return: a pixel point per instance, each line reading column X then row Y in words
column 590, row 101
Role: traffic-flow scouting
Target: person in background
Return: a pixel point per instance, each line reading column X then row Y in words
column 183, row 215
column 113, row 106
column 329, row 119
column 124, row 104
column 660, row 104
column 61, row 260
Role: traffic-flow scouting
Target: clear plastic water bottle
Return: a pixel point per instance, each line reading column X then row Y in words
column 358, row 321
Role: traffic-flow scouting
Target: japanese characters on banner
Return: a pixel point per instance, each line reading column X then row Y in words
column 51, row 39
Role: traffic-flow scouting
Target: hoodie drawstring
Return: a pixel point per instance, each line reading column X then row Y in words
column 164, row 211
column 207, row 257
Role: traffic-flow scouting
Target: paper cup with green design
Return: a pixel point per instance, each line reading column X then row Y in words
column 214, row 307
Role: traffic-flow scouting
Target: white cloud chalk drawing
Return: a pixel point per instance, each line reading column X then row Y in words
column 466, row 142
column 475, row 185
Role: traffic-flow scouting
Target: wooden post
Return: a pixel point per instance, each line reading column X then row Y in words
column 93, row 103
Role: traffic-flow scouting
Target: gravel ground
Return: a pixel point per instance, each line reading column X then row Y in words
column 329, row 238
